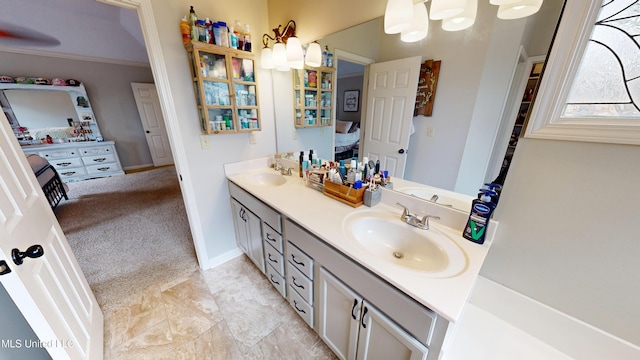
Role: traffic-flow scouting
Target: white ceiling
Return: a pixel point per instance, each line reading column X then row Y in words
column 82, row 27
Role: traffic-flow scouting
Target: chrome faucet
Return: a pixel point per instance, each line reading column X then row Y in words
column 413, row 220
column 285, row 171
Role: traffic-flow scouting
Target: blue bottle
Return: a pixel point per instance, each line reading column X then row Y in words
column 481, row 211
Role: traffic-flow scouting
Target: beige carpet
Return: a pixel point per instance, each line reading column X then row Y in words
column 129, row 233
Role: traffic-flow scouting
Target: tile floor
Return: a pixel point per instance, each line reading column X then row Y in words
column 229, row 312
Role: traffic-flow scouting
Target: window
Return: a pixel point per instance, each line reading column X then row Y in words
column 591, row 88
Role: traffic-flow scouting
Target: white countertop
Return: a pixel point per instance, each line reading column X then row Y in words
column 323, row 217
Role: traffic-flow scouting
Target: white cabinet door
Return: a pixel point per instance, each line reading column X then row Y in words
column 239, row 224
column 248, row 233
column 254, row 240
column 339, row 316
column 380, row 338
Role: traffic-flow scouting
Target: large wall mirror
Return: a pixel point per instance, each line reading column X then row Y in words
column 62, row 112
column 461, row 145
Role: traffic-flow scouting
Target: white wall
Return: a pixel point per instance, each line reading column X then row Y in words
column 110, row 95
column 568, row 234
column 203, row 168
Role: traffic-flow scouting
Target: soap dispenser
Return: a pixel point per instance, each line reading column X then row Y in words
column 481, row 211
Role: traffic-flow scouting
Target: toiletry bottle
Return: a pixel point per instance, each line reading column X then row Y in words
column 301, row 161
column 481, row 210
column 193, row 20
column 310, row 156
column 351, row 174
column 237, row 31
column 209, row 30
column 342, row 170
column 233, row 40
column 247, row 38
column 185, row 30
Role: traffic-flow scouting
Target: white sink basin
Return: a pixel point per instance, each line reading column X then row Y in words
column 266, row 179
column 385, row 237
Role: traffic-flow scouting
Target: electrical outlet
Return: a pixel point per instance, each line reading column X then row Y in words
column 252, row 138
column 204, row 142
column 430, row 131
column 294, row 134
column 322, row 131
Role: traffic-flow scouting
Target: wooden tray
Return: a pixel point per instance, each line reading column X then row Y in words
column 339, row 192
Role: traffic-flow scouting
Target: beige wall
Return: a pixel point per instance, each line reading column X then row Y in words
column 316, row 19
column 110, row 94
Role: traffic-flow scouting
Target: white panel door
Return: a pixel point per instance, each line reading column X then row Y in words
column 380, row 338
column 391, row 98
column 339, row 315
column 48, row 286
column 153, row 123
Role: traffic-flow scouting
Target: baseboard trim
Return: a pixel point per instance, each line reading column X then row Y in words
column 569, row 335
column 136, row 167
column 222, row 258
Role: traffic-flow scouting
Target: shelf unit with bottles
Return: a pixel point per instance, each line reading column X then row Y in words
column 313, row 96
column 226, row 88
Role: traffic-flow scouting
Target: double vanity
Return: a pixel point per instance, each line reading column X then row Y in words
column 364, row 280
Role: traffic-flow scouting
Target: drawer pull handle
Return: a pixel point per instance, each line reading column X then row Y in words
column 68, row 173
column 293, row 278
column 99, row 159
column 355, row 303
column 106, row 168
column 64, row 164
column 269, row 237
column 271, row 259
column 363, row 315
column 274, row 281
column 295, row 304
column 293, row 258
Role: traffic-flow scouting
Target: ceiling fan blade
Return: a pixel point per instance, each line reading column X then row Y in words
column 21, row 36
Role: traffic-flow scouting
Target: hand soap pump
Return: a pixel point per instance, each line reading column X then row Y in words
column 481, row 210
column 300, row 164
column 493, row 187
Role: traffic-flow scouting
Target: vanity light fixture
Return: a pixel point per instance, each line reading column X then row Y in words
column 456, row 15
column 287, row 51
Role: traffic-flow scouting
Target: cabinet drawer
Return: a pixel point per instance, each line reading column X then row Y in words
column 276, row 280
column 59, row 154
column 300, row 260
column 274, row 258
column 61, row 164
column 68, row 173
column 300, row 283
column 98, row 150
column 102, row 168
column 272, row 237
column 300, row 306
column 99, row 159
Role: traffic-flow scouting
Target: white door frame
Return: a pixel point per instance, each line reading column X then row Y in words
column 161, row 79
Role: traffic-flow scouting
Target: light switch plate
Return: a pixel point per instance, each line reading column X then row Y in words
column 204, row 142
column 252, row 138
column 430, row 132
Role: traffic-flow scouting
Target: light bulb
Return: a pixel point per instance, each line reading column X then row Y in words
column 398, row 16
column 295, row 57
column 442, row 9
column 520, row 9
column 314, row 55
column 464, row 20
column 267, row 58
column 419, row 26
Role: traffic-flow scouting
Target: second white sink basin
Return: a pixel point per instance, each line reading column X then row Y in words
column 266, row 179
column 384, row 236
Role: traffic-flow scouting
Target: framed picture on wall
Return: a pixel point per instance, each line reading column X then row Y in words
column 351, row 100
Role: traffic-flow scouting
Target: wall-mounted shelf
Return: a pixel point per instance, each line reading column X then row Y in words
column 313, row 95
column 226, row 88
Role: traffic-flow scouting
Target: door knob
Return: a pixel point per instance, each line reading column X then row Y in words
column 34, row 251
column 401, row 151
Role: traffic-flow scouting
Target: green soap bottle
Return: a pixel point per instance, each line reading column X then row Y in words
column 481, row 210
